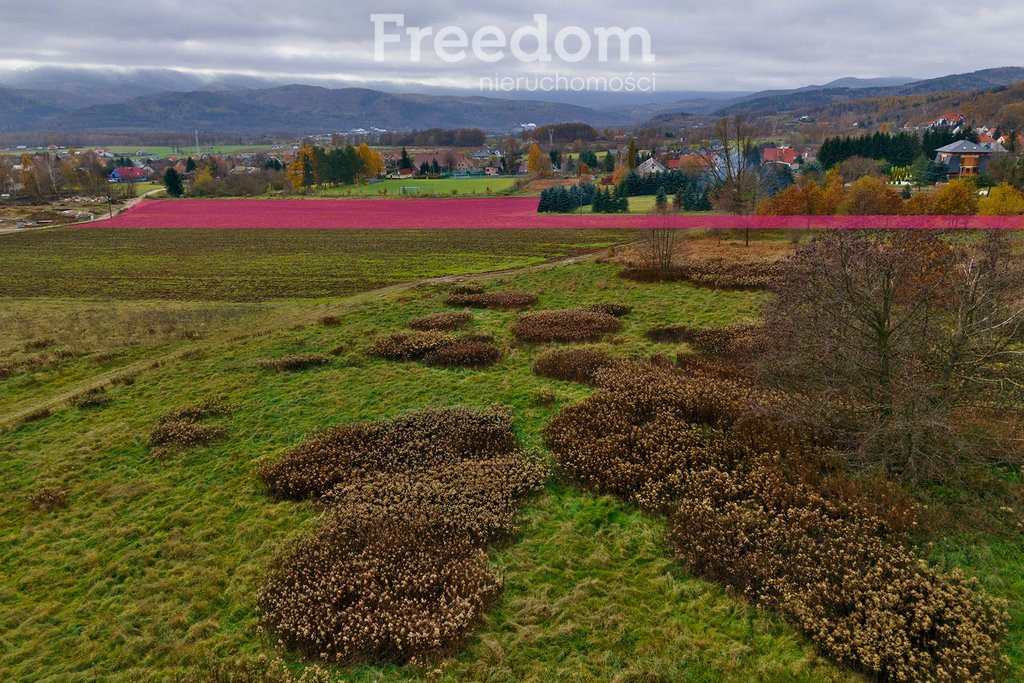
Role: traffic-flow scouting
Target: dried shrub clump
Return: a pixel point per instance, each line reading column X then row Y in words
column 751, row 509
column 864, row 599
column 442, row 322
column 511, row 299
column 93, row 398
column 571, row 365
column 330, row 320
column 183, row 429
column 48, row 498
column 408, row 345
column 438, row 349
column 422, row 439
column 464, row 353
column 295, row 363
column 617, row 310
column 713, row 273
column 396, row 568
column 574, row 325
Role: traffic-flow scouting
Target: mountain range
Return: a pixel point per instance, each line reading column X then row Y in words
column 166, row 100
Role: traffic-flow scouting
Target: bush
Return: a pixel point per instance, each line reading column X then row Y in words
column 93, row 398
column 502, row 300
column 421, row 439
column 464, row 353
column 564, row 326
column 866, row 601
column 751, row 509
column 466, row 288
column 48, row 498
column 295, row 363
column 571, row 365
column 396, row 568
column 376, row 590
column 441, row 322
column 408, row 345
column 713, row 273
column 617, row 310
column 330, row 320
column 182, row 428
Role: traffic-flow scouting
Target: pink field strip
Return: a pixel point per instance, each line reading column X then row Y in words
column 502, row 213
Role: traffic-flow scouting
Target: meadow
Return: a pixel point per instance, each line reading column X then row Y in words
column 151, row 568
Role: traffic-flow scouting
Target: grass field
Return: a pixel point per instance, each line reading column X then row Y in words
column 248, row 265
column 480, row 187
column 151, row 570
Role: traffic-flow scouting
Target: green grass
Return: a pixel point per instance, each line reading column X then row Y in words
column 248, row 265
column 439, row 187
column 153, row 567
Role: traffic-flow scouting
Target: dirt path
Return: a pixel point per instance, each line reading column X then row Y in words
column 306, row 316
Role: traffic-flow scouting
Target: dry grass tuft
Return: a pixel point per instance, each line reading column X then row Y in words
column 94, row 398
column 295, row 363
column 183, row 429
column 501, row 300
column 441, row 322
column 48, row 498
column 617, row 310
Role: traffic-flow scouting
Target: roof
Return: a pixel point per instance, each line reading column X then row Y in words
column 786, row 155
column 129, row 172
column 963, row 147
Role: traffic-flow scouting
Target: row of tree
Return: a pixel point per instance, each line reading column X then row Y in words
column 901, row 149
column 872, row 196
column 316, row 166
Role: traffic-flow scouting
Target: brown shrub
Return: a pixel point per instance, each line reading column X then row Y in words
column 617, row 310
column 441, row 322
column 466, row 288
column 8, row 369
column 419, row 439
column 408, row 345
column 464, row 353
column 868, row 602
column 182, row 428
column 713, row 273
column 295, row 362
column 501, row 300
column 396, row 569
column 330, row 320
column 376, row 590
column 93, row 398
column 564, row 326
column 47, row 498
column 571, row 365
column 752, row 508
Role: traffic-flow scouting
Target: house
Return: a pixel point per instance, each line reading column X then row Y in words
column 128, row 174
column 964, row 158
column 492, row 170
column 650, row 167
column 779, row 155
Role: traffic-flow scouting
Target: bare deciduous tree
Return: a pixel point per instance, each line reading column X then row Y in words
column 903, row 344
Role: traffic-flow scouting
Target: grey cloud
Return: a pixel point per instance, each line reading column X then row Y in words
column 729, row 45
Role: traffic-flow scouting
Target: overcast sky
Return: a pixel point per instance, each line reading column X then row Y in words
column 720, row 45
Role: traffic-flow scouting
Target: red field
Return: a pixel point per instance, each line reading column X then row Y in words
column 516, row 212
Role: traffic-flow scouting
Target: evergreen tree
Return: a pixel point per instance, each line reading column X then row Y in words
column 679, row 200
column 405, row 162
column 609, row 162
column 661, row 200
column 172, row 181
column 190, row 165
